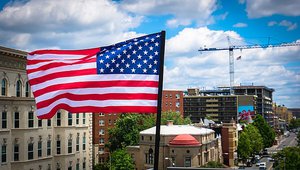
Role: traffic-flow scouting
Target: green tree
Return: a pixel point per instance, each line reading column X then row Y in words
column 244, row 149
column 256, row 140
column 265, row 130
column 295, row 123
column 103, row 166
column 121, row 160
column 176, row 117
column 288, row 158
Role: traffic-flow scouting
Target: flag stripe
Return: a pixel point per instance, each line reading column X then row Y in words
column 66, row 52
column 96, row 97
column 103, row 90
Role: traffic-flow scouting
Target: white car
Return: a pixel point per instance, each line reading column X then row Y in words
column 263, row 165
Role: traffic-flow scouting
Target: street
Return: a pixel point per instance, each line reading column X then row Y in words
column 286, row 141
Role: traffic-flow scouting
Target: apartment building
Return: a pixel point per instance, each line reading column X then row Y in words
column 172, row 100
column 28, row 143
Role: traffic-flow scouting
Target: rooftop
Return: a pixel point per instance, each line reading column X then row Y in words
column 166, row 130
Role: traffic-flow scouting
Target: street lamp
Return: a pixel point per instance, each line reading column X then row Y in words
column 171, row 161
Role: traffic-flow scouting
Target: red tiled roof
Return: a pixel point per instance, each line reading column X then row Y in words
column 184, row 139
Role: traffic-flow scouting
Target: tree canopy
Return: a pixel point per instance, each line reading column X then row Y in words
column 265, row 130
column 244, row 149
column 256, row 140
column 288, row 158
column 121, row 160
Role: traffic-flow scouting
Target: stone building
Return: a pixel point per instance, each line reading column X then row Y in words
column 28, row 143
column 180, row 146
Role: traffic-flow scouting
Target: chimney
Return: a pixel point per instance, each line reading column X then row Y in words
column 169, row 122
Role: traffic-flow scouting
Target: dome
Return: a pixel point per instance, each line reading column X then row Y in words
column 184, row 139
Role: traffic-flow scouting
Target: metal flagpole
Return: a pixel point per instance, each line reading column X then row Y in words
column 158, row 115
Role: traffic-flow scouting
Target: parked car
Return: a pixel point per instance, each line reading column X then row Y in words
column 257, row 163
column 263, row 166
column 271, row 159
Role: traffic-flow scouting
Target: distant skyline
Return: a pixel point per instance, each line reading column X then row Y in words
column 65, row 24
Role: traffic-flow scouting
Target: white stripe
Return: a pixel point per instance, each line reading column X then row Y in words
column 94, row 78
column 55, row 56
column 107, row 90
column 95, row 103
column 35, row 66
column 73, row 67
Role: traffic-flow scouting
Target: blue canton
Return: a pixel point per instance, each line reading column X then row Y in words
column 135, row 56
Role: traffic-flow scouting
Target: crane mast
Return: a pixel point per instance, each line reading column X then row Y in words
column 230, row 48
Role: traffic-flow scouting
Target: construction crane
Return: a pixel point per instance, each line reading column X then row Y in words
column 241, row 47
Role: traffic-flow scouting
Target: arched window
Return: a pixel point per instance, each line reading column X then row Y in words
column 4, row 87
column 27, row 89
column 151, row 156
column 19, row 88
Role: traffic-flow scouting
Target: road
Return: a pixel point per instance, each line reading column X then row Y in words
column 289, row 141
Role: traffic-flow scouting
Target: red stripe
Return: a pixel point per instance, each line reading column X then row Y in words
column 109, row 109
column 111, row 96
column 72, row 52
column 99, row 84
column 58, row 64
column 65, row 74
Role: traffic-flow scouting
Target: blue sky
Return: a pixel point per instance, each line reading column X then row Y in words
column 64, row 24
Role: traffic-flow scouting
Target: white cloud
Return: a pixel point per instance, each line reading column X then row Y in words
column 183, row 13
column 240, row 25
column 284, row 23
column 64, row 23
column 259, row 8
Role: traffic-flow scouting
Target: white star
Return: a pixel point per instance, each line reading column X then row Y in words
column 121, row 70
column 118, row 48
column 117, row 65
column 155, row 53
column 155, row 62
column 157, row 36
column 150, row 65
column 139, row 65
column 156, row 44
column 124, row 51
column 145, row 70
column 146, row 43
column 140, row 47
column 150, row 57
column 145, row 61
column 155, row 71
column 101, row 70
column 147, row 38
column 113, row 52
column 128, row 56
column 133, row 61
column 111, row 70
column 135, row 39
column 139, row 57
column 136, row 43
column 151, row 48
column 133, row 70
column 113, row 60
column 107, row 56
column 123, row 60
column 107, row 65
column 145, row 52
column 127, row 65
column 101, row 61
column 152, row 39
column 119, row 55
column 101, row 55
column 130, row 46
column 133, row 52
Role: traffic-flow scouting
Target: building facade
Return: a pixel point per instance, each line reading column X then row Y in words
column 172, row 100
column 28, row 143
column 180, row 146
column 219, row 108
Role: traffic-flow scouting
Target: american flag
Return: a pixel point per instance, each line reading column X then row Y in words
column 119, row 78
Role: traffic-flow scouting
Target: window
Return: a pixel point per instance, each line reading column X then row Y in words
column 70, row 145
column 101, row 122
column 77, row 142
column 30, row 150
column 49, row 122
column 101, row 114
column 177, row 96
column 17, row 120
column 149, row 156
column 84, row 163
column 40, row 123
column 27, row 89
column 77, row 118
column 16, row 152
column 84, row 141
column 77, row 165
column 70, row 121
column 4, row 87
column 4, row 120
column 58, row 145
column 142, row 137
column 150, row 138
column 19, row 88
column 187, row 161
column 83, row 119
column 48, row 147
column 58, row 119
column 30, row 119
column 101, row 132
column 40, row 146
column 177, row 104
column 101, row 140
column 70, row 165
column 3, row 153
column 57, row 166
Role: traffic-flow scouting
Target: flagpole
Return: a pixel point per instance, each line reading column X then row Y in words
column 158, row 115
